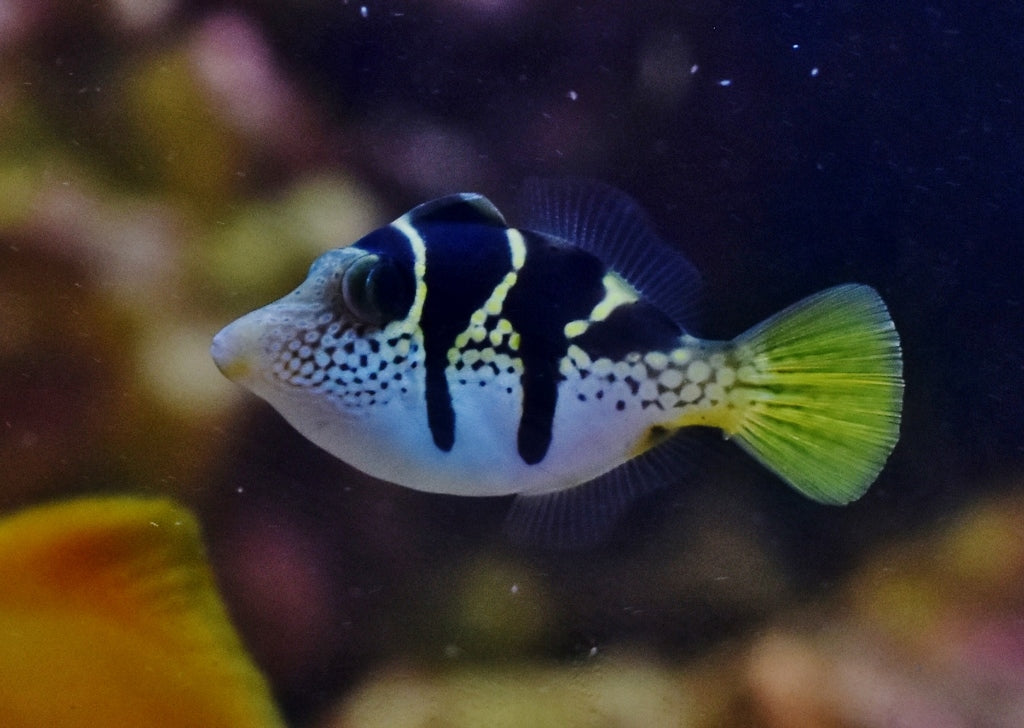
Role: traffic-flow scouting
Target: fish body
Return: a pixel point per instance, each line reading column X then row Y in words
column 451, row 352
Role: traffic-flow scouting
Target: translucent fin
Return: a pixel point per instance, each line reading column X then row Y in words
column 464, row 207
column 583, row 516
column 111, row 617
column 610, row 224
column 826, row 392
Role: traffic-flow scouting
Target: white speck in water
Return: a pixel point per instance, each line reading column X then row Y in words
column 796, row 46
column 725, row 82
column 593, row 652
column 814, row 71
column 452, row 651
column 364, row 11
column 514, row 589
column 694, row 68
column 572, row 95
column 239, row 489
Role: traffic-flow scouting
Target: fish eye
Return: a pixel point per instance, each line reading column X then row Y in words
column 365, row 288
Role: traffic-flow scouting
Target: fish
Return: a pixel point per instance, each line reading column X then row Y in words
column 110, row 617
column 452, row 352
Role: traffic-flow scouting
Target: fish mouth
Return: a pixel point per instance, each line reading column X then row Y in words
column 232, row 349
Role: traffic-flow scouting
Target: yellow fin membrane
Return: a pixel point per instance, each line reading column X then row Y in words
column 109, row 616
column 821, row 387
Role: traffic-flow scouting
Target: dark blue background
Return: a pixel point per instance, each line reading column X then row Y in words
column 900, row 163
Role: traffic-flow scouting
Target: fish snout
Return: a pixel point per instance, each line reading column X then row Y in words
column 234, row 349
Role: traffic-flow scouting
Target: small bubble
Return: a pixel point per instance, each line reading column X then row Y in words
column 725, row 82
column 364, row 11
column 572, row 95
column 694, row 68
column 814, row 71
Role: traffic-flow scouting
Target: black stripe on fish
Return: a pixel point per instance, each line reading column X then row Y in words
column 630, row 327
column 464, row 264
column 397, row 289
column 558, row 283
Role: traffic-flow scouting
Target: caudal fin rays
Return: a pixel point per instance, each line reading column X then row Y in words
column 825, row 388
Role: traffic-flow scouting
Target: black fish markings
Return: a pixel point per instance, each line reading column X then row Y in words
column 472, row 277
column 464, row 264
column 557, row 284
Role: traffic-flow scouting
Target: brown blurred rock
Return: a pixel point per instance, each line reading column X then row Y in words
column 627, row 693
column 926, row 633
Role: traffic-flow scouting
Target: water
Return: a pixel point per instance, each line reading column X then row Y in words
column 184, row 163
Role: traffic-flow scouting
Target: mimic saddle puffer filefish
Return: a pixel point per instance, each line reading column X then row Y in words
column 452, row 353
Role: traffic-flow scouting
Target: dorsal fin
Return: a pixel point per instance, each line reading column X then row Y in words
column 463, row 208
column 610, row 224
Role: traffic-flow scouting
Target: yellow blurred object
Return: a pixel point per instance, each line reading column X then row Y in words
column 110, row 617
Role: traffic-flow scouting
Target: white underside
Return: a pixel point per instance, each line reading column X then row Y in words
column 392, row 441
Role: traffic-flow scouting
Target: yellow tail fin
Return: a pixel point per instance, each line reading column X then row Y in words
column 825, row 387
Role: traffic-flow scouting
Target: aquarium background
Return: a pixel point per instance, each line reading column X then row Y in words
column 166, row 166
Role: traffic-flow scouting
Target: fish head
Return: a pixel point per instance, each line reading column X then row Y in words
column 343, row 340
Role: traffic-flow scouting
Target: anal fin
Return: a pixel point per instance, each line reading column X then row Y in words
column 581, row 517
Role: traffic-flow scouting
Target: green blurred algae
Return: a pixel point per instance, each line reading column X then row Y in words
column 267, row 245
column 129, row 231
column 179, row 144
column 497, row 607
